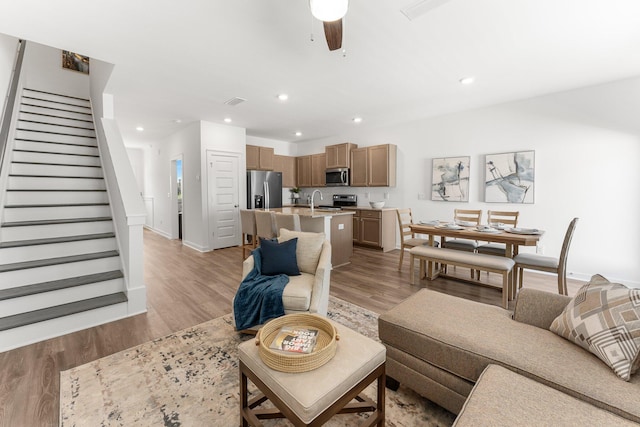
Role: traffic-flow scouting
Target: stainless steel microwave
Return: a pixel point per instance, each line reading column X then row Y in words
column 337, row 177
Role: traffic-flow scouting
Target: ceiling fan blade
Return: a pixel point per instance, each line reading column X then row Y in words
column 333, row 34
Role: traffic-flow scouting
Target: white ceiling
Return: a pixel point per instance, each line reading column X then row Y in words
column 184, row 59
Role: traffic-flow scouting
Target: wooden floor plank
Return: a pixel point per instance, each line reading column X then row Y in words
column 185, row 288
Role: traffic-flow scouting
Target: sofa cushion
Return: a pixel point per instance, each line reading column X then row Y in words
column 297, row 294
column 463, row 337
column 308, row 249
column 279, row 258
column 604, row 318
column 493, row 403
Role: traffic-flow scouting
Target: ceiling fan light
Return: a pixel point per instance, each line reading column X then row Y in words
column 328, row 10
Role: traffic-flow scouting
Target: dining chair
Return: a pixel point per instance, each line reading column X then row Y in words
column 408, row 238
column 507, row 218
column 287, row 221
column 265, row 224
column 249, row 231
column 470, row 217
column 546, row 263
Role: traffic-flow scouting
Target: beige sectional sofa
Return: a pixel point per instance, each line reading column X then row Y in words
column 440, row 345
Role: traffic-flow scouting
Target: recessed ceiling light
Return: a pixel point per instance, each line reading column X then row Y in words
column 227, row 120
column 467, row 80
column 177, row 121
column 139, row 128
column 283, row 97
column 298, row 133
column 357, row 119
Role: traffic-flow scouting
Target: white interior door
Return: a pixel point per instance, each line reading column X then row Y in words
column 223, row 190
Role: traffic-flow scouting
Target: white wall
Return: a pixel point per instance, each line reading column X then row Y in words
column 8, row 46
column 43, row 71
column 586, row 167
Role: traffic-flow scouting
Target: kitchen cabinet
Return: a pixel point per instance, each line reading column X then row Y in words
column 286, row 165
column 259, row 158
column 374, row 166
column 303, row 166
column 339, row 155
column 375, row 228
column 359, row 161
column 318, row 168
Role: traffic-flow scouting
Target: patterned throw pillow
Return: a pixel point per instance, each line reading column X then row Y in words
column 604, row 318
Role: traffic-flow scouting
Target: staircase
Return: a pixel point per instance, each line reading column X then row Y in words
column 59, row 260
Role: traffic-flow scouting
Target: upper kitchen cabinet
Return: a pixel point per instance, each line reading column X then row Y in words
column 374, row 166
column 259, row 158
column 303, row 166
column 286, row 165
column 339, row 155
column 318, row 170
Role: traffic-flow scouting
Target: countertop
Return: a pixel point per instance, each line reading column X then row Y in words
column 350, row 208
column 317, row 212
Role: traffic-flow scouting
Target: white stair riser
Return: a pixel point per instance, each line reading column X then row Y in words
column 55, row 170
column 37, row 100
column 40, row 331
column 30, row 276
column 53, row 197
column 26, row 108
column 59, row 297
column 59, row 159
column 48, row 118
column 41, row 127
column 56, row 98
column 55, row 212
column 35, row 252
column 51, row 137
column 37, row 183
column 49, row 147
column 12, row 234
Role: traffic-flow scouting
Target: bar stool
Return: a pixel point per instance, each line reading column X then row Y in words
column 287, row 221
column 265, row 224
column 249, row 231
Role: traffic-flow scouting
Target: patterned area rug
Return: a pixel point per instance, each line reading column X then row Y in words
column 190, row 378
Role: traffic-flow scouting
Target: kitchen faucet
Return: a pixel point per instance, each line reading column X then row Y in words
column 313, row 195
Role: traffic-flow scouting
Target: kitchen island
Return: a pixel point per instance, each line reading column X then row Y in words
column 337, row 225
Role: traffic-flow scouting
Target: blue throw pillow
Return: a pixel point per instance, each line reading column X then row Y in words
column 279, row 258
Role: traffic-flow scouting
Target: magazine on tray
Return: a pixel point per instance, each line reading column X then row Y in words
column 295, row 340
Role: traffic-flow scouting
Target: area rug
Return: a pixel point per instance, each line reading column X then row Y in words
column 190, row 378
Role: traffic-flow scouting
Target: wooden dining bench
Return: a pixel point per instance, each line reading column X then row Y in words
column 472, row 260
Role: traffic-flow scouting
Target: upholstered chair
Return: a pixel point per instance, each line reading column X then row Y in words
column 308, row 292
column 249, row 231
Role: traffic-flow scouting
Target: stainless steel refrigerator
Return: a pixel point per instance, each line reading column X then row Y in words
column 264, row 189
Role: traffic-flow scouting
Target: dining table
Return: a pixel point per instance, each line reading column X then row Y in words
column 512, row 237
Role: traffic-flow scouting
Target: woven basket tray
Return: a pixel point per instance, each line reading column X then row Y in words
column 324, row 351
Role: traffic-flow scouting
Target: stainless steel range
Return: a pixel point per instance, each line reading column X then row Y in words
column 344, row 200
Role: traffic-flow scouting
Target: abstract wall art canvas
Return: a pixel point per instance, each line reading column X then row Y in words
column 75, row 62
column 450, row 181
column 509, row 177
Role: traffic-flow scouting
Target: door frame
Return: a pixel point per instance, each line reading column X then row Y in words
column 173, row 190
column 242, row 186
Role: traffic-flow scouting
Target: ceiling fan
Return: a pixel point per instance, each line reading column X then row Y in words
column 330, row 12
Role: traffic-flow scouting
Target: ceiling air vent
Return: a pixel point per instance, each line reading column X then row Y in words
column 421, row 7
column 234, row 101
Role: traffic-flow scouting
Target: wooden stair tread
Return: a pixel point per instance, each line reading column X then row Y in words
column 54, row 312
column 56, row 261
column 66, row 239
column 55, row 285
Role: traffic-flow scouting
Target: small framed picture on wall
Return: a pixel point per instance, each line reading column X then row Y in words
column 75, row 62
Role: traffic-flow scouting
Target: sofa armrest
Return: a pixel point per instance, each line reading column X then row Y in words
column 538, row 308
column 247, row 266
column 321, row 282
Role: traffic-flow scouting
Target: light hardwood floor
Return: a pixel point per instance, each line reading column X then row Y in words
column 185, row 288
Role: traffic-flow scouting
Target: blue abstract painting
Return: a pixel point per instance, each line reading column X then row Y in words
column 509, row 177
column 450, row 179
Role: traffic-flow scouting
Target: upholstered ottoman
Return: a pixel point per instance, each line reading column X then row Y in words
column 503, row 398
column 311, row 398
